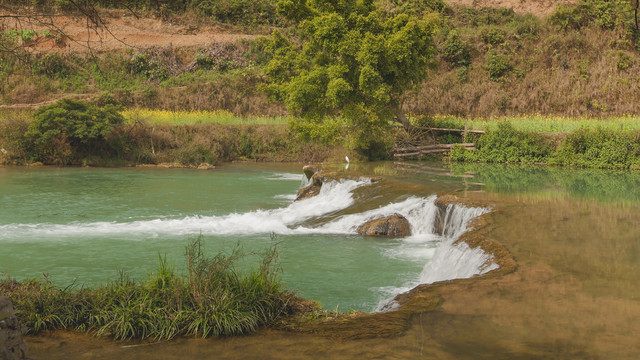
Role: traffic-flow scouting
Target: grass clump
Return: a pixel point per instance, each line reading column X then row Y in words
column 213, row 298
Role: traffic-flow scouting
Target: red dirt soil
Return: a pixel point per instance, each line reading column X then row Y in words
column 124, row 29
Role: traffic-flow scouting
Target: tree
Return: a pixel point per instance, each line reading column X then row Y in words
column 349, row 60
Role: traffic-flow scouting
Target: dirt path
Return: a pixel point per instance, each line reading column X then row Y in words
column 122, row 30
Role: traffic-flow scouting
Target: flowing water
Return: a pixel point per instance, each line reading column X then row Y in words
column 575, row 235
column 81, row 226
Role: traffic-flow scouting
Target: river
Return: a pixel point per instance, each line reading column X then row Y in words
column 573, row 233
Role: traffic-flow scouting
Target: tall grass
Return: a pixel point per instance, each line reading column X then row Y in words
column 155, row 117
column 213, row 298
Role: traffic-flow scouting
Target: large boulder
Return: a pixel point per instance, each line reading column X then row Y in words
column 395, row 225
column 12, row 347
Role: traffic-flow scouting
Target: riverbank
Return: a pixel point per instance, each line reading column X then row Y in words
column 44, row 306
column 573, row 294
column 183, row 145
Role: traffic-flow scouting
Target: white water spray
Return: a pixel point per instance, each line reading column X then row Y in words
column 441, row 259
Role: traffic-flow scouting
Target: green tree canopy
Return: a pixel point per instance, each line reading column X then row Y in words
column 349, row 59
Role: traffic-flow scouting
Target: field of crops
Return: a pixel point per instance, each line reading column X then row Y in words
column 196, row 117
column 541, row 124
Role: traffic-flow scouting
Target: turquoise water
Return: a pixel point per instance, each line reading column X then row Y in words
column 82, row 226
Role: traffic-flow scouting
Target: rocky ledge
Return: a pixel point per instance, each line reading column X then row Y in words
column 12, row 347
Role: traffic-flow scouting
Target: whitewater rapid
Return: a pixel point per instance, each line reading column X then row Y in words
column 441, row 258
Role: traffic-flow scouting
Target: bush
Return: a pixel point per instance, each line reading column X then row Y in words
column 455, row 51
column 528, row 27
column 63, row 132
column 497, row 65
column 148, row 66
column 599, row 149
column 505, row 145
column 493, row 35
column 605, row 14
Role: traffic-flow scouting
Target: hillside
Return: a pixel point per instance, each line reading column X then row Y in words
column 493, row 61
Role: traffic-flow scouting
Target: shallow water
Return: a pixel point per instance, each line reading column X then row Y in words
column 574, row 233
column 81, row 226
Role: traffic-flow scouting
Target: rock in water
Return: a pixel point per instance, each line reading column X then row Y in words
column 395, row 225
column 12, row 347
column 312, row 189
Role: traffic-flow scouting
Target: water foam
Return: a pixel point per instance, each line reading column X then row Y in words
column 334, row 196
column 441, row 258
column 448, row 260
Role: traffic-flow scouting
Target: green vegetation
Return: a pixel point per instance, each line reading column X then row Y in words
column 213, row 298
column 597, row 148
column 349, row 60
column 157, row 117
column 54, row 137
column 535, row 123
column 71, row 128
column 343, row 70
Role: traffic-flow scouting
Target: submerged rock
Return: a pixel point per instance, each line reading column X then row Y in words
column 395, row 225
column 12, row 347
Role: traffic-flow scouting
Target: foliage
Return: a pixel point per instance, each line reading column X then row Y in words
column 212, row 299
column 599, row 148
column 505, row 144
column 455, row 51
column 603, row 13
column 493, row 35
column 497, row 65
column 148, row 66
column 350, row 59
column 70, row 128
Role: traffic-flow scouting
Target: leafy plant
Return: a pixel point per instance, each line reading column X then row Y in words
column 455, row 50
column 493, row 35
column 70, row 128
column 349, row 61
column 497, row 65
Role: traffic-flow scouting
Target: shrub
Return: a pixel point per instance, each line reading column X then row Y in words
column 623, row 61
column 505, row 144
column 497, row 65
column 528, row 27
column 52, row 65
column 493, row 35
column 69, row 129
column 148, row 66
column 605, row 14
column 455, row 51
column 599, row 148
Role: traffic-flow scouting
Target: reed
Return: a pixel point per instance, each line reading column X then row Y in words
column 213, row 298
